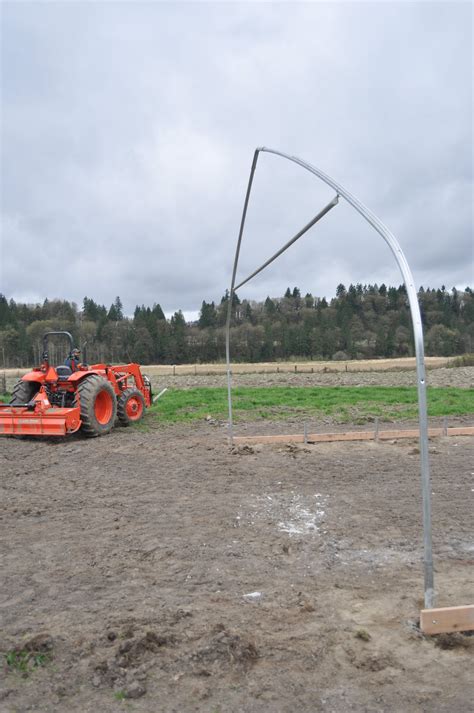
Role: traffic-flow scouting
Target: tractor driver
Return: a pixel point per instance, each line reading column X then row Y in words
column 73, row 360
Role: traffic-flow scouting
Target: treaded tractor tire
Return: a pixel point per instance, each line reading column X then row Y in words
column 98, row 406
column 23, row 392
column 130, row 406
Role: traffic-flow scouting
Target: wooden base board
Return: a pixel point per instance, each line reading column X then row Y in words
column 355, row 436
column 447, row 620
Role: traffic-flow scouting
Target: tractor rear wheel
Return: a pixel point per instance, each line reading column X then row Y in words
column 23, row 392
column 130, row 406
column 98, row 405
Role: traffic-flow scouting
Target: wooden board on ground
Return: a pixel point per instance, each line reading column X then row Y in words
column 354, row 436
column 447, row 619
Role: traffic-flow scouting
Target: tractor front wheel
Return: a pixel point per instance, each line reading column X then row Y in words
column 98, row 405
column 131, row 406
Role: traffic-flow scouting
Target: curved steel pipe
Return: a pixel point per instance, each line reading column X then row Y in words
column 402, row 263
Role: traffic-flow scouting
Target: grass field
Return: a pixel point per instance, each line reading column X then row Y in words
column 343, row 404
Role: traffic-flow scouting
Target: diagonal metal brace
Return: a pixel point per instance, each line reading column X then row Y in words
column 298, row 235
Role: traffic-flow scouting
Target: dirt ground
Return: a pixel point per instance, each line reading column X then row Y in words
column 462, row 377
column 157, row 569
column 330, row 372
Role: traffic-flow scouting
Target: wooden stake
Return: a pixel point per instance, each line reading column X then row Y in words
column 447, row 619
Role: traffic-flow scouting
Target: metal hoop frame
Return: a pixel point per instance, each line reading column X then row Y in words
column 402, row 263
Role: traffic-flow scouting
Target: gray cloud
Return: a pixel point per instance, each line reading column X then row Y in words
column 128, row 132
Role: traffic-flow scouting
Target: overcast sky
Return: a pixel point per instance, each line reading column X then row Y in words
column 128, row 130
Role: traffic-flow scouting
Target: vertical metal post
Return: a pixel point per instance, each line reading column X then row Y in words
column 231, row 296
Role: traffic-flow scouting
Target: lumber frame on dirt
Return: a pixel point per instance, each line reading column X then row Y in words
column 354, row 436
column 447, row 619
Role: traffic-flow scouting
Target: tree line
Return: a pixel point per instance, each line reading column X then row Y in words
column 360, row 322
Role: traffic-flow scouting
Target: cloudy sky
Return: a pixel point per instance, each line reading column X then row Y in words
column 128, row 130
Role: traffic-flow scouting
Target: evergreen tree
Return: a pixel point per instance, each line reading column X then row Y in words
column 269, row 307
column 116, row 310
column 5, row 315
column 158, row 312
column 208, row 315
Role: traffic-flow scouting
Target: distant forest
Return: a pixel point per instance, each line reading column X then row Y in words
column 362, row 321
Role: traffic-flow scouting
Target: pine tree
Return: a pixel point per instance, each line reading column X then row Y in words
column 207, row 316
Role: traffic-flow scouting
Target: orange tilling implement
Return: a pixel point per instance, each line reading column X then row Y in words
column 57, row 401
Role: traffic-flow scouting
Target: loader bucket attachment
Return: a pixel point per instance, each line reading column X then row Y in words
column 24, row 421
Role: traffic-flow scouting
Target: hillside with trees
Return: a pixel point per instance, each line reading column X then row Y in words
column 362, row 321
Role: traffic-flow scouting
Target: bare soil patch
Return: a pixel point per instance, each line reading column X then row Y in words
column 298, row 373
column 161, row 570
column 461, row 377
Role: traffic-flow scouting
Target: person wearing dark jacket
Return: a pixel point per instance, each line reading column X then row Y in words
column 73, row 360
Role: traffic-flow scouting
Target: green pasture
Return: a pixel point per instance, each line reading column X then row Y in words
column 344, row 404
column 341, row 403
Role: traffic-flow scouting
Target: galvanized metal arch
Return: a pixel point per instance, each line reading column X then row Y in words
column 402, row 263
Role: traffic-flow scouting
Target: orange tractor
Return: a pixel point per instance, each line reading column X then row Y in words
column 57, row 401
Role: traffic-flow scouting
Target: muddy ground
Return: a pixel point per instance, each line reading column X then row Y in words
column 157, row 569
